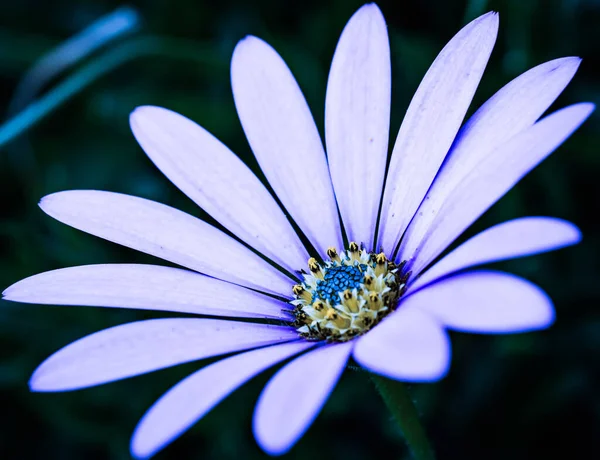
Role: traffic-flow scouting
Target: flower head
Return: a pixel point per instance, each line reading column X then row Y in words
column 377, row 298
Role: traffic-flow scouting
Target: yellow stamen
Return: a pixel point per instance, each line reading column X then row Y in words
column 338, row 320
column 350, row 301
column 381, row 261
column 354, row 251
column 333, row 254
column 319, row 305
column 302, row 293
column 315, row 268
column 374, row 301
column 319, row 309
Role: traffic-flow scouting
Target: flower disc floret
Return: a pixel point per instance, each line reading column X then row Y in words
column 346, row 295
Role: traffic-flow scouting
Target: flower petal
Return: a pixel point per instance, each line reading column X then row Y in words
column 487, row 182
column 167, row 233
column 357, row 118
column 149, row 287
column 144, row 346
column 219, row 182
column 192, row 398
column 515, row 238
column 431, row 123
column 408, row 345
column 510, row 111
column 295, row 395
column 285, row 140
column 486, row 302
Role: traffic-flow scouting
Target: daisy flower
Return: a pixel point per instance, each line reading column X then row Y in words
column 360, row 281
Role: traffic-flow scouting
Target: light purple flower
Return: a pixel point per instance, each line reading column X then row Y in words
column 441, row 178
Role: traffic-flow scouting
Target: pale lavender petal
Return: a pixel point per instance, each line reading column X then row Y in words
column 149, row 287
column 144, row 346
column 407, row 345
column 167, row 233
column 486, row 302
column 192, row 398
column 487, row 182
column 294, row 396
column 357, row 119
column 431, row 123
column 511, row 110
column 515, row 238
column 219, row 182
column 285, row 140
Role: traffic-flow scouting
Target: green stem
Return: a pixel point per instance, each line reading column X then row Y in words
column 398, row 401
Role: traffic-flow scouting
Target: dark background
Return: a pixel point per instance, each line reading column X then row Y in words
column 517, row 396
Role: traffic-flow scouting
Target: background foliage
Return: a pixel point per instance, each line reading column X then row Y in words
column 520, row 396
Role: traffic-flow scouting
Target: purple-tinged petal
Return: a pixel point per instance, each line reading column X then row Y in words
column 192, row 398
column 167, row 233
column 489, row 180
column 357, row 119
column 144, row 346
column 515, row 238
column 219, row 182
column 293, row 398
column 407, row 345
column 431, row 123
column 149, row 287
column 285, row 140
column 511, row 110
column 486, row 302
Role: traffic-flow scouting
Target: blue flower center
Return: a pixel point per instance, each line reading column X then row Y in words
column 338, row 279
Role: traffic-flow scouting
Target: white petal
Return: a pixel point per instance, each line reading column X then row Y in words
column 167, row 233
column 148, row 287
column 431, row 123
column 295, row 395
column 407, row 345
column 486, row 302
column 219, row 182
column 511, row 110
column 490, row 180
column 189, row 400
column 515, row 238
column 285, row 140
column 357, row 118
column 144, row 346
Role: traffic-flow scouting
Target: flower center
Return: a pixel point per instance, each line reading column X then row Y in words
column 346, row 295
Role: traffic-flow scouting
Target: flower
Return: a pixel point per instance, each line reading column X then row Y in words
column 375, row 297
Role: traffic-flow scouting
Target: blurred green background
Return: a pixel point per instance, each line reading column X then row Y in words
column 519, row 396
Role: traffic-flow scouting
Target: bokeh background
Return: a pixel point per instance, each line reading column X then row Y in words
column 517, row 396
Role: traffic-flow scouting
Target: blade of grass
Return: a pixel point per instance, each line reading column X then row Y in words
column 85, row 76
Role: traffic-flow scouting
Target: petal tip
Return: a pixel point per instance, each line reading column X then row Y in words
column 138, row 450
column 140, row 111
column 576, row 234
column 568, row 64
column 143, row 111
column 247, row 41
column 7, row 293
column 591, row 106
column 369, row 11
column 489, row 20
column 271, row 447
column 41, row 380
column 46, row 202
column 36, row 384
column 51, row 204
column 546, row 317
column 572, row 60
column 582, row 110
